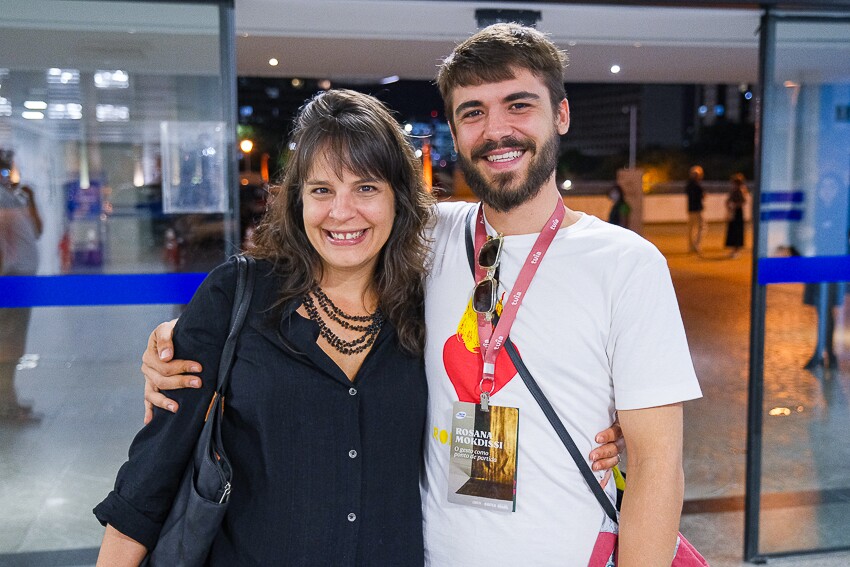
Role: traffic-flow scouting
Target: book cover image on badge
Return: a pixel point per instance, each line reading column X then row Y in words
column 483, row 462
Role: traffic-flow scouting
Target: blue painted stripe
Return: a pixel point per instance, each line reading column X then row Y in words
column 798, row 269
column 112, row 289
column 782, row 197
column 792, row 215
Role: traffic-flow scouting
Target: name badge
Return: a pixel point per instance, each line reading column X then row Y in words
column 483, row 460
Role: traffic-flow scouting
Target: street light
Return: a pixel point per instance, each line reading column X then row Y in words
column 631, row 110
column 246, row 146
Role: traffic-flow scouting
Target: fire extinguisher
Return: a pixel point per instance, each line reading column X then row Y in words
column 171, row 252
column 65, row 252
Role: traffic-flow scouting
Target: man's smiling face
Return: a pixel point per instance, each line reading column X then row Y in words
column 507, row 138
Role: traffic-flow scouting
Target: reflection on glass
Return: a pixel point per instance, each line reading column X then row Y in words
column 111, row 79
column 91, row 153
column 805, row 224
column 805, row 475
column 88, row 137
column 63, row 76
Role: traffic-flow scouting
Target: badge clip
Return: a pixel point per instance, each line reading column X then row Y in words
column 485, row 401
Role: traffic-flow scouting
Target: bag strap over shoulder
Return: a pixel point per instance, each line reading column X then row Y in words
column 543, row 401
column 562, row 432
column 241, row 303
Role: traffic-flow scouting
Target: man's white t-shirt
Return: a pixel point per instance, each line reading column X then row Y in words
column 599, row 329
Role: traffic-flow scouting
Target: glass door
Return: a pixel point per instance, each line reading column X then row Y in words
column 798, row 493
column 117, row 146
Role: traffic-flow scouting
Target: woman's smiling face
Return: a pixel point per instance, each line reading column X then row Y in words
column 347, row 218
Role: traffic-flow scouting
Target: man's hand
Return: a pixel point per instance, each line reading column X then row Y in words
column 607, row 456
column 162, row 373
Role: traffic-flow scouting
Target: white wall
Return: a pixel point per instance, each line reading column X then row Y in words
column 656, row 208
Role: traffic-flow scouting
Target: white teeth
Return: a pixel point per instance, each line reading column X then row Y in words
column 504, row 157
column 346, row 235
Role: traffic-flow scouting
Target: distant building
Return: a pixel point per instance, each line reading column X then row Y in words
column 669, row 116
column 599, row 123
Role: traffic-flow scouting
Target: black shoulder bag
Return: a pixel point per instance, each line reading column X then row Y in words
column 201, row 501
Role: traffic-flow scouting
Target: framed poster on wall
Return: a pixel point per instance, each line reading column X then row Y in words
column 193, row 167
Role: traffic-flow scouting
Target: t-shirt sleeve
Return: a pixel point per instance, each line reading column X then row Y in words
column 147, row 483
column 650, row 360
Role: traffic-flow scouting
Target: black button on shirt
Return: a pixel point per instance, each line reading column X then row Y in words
column 293, row 426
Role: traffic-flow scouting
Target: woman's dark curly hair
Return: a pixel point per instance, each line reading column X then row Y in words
column 353, row 132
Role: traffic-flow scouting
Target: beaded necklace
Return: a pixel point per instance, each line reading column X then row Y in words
column 370, row 329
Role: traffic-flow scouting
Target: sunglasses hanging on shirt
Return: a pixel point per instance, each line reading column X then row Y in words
column 486, row 291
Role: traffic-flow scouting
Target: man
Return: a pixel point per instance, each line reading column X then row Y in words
column 599, row 329
column 696, row 196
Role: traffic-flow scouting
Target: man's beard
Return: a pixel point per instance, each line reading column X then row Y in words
column 498, row 194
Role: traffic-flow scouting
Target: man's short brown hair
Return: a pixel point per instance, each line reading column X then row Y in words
column 495, row 53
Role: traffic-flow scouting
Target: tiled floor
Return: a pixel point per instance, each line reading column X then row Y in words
column 87, row 388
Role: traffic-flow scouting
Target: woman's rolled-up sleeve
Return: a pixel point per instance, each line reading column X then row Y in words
column 147, row 482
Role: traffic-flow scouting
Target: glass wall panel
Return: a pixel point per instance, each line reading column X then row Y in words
column 98, row 100
column 115, row 150
column 803, row 263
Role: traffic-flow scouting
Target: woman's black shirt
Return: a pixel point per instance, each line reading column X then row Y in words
column 326, row 471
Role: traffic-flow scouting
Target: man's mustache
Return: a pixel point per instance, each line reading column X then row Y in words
column 509, row 142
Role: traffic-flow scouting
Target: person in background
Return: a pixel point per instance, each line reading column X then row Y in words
column 735, row 202
column 620, row 209
column 20, row 228
column 696, row 198
column 826, row 298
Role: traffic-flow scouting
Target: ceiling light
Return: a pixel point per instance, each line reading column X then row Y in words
column 35, row 105
column 273, row 62
column 389, row 80
column 111, row 113
column 116, row 79
column 56, row 76
column 297, row 83
column 779, row 412
column 615, row 69
column 32, row 115
column 65, row 111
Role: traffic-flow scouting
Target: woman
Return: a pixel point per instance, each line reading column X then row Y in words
column 735, row 210
column 325, row 415
column 620, row 209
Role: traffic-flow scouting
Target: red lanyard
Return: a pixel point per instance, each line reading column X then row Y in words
column 492, row 342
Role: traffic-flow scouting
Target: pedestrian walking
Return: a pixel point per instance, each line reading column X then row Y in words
column 696, row 198
column 735, row 202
